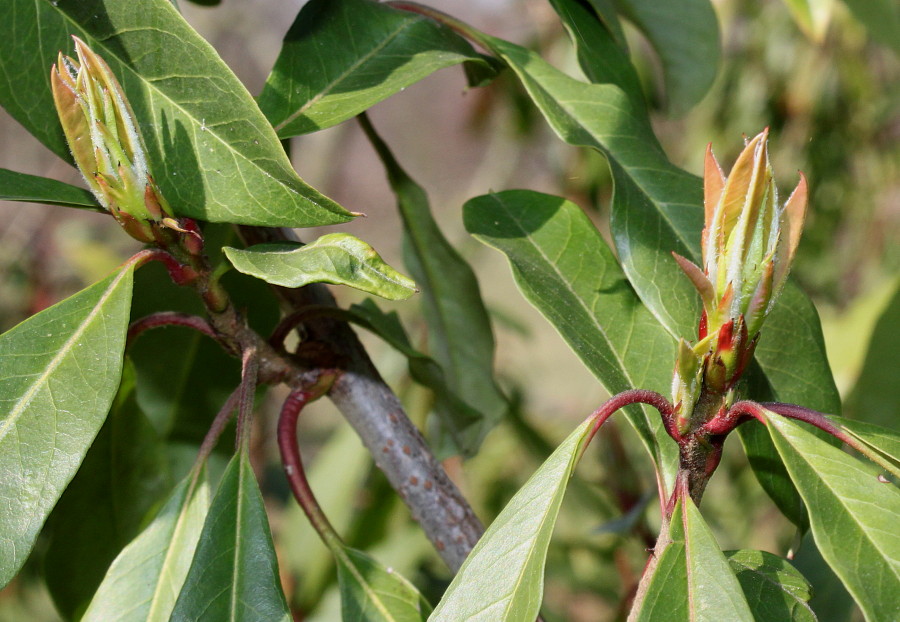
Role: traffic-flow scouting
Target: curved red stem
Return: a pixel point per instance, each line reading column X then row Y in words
column 170, row 318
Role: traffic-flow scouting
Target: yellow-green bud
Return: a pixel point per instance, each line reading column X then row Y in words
column 106, row 142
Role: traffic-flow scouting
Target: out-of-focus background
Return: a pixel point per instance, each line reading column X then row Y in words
column 830, row 96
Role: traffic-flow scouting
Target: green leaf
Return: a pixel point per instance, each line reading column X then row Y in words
column 775, row 590
column 692, row 580
column 148, row 573
column 211, row 150
column 59, row 371
column 685, row 35
column 234, row 574
column 340, row 58
column 883, row 440
column 502, row 579
column 122, row 478
column 881, row 17
column 33, row 189
column 565, row 269
column 600, row 49
column 459, row 329
column 852, row 515
column 373, row 593
column 337, row 258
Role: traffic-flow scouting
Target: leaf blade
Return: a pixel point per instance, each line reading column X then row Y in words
column 39, row 360
column 371, row 592
column 775, row 590
column 860, row 543
column 149, row 572
column 212, row 152
column 234, row 573
column 323, row 77
column 15, row 186
column 564, row 268
column 338, row 258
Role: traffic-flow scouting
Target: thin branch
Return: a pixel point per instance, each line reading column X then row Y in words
column 379, row 419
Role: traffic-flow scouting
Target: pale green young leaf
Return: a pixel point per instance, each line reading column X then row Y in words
column 566, row 270
column 853, row 516
column 338, row 258
column 775, row 590
column 692, row 581
column 211, row 150
column 59, row 372
column 148, row 573
column 502, row 580
column 373, row 593
column 340, row 58
column 234, row 573
column 16, row 186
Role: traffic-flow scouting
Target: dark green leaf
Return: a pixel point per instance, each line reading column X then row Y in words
column 59, row 371
column 852, row 514
column 685, row 35
column 122, row 478
column 566, row 270
column 234, row 574
column 460, row 336
column 33, row 189
column 211, row 150
column 692, row 580
column 775, row 590
column 600, row 52
column 502, row 579
column 338, row 258
column 340, row 58
column 881, row 17
column 373, row 593
column 148, row 573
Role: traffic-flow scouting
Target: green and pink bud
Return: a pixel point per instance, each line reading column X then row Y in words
column 748, row 244
column 107, row 146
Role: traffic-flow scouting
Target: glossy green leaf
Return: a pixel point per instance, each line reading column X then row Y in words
column 600, row 52
column 502, row 579
column 774, row 589
column 692, row 580
column 234, row 574
column 883, row 440
column 685, row 35
column 121, row 480
column 337, row 258
column 373, row 593
column 148, row 574
column 33, row 189
column 566, row 270
column 59, row 372
column 459, row 330
column 210, row 148
column 853, row 516
column 340, row 58
column 881, row 17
